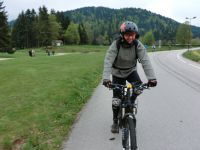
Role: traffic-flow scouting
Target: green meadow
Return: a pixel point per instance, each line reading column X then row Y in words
column 193, row 55
column 40, row 96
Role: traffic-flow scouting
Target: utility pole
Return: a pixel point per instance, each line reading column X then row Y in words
column 189, row 30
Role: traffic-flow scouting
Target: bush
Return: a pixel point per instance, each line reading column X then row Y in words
column 11, row 51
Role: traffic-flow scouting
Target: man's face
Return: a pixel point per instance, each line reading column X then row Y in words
column 129, row 37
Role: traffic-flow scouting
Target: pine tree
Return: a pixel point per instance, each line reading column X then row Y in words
column 45, row 36
column 82, row 34
column 63, row 20
column 31, row 28
column 20, row 32
column 24, row 33
column 4, row 30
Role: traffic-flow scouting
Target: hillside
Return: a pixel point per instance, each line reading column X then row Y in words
column 103, row 21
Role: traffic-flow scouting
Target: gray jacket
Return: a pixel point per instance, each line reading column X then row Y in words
column 126, row 61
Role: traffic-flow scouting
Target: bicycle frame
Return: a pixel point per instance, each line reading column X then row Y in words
column 127, row 109
column 127, row 113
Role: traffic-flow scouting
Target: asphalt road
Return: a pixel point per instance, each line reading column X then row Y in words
column 168, row 116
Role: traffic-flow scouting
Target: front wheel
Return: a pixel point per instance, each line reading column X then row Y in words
column 129, row 134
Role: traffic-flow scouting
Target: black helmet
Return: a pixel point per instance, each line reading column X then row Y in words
column 129, row 26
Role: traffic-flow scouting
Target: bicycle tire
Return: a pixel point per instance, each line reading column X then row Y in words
column 130, row 142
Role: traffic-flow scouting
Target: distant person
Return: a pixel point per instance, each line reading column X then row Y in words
column 48, row 52
column 30, row 53
column 121, row 62
column 33, row 52
column 153, row 47
column 169, row 46
column 53, row 52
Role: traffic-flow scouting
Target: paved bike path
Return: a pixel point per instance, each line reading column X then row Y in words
column 92, row 130
column 168, row 115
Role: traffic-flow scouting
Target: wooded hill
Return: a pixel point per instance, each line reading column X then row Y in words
column 106, row 21
column 90, row 25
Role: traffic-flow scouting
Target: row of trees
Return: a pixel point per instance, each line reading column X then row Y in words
column 35, row 30
column 85, row 26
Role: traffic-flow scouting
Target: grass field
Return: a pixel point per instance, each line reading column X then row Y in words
column 193, row 55
column 40, row 96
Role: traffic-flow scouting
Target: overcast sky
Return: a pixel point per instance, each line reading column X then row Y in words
column 175, row 9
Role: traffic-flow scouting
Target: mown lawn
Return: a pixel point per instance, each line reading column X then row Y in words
column 193, row 55
column 41, row 96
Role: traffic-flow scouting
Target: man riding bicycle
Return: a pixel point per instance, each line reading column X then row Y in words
column 121, row 62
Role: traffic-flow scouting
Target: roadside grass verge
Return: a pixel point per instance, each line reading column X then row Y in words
column 165, row 48
column 41, row 96
column 192, row 55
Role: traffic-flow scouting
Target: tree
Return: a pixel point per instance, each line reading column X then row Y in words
column 89, row 32
column 4, row 30
column 25, row 30
column 54, row 27
column 102, row 40
column 45, row 35
column 148, row 38
column 32, row 28
column 83, row 34
column 71, row 34
column 184, row 34
column 19, row 34
column 62, row 19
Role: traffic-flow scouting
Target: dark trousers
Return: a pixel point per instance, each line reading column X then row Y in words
column 132, row 78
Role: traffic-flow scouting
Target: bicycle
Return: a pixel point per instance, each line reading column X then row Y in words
column 128, row 110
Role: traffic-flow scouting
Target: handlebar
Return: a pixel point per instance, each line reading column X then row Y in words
column 137, row 88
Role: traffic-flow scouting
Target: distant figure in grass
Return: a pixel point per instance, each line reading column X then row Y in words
column 30, row 53
column 153, row 47
column 33, row 52
column 53, row 52
column 48, row 52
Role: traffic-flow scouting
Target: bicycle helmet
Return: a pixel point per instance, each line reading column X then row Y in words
column 129, row 26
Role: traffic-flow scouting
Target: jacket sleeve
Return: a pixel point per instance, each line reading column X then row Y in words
column 145, row 61
column 109, row 60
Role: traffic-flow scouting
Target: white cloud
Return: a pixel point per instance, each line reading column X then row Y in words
column 161, row 7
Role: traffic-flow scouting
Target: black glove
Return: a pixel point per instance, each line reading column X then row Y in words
column 106, row 82
column 152, row 82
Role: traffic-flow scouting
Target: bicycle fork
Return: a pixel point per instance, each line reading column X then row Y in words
column 124, row 130
column 126, row 141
